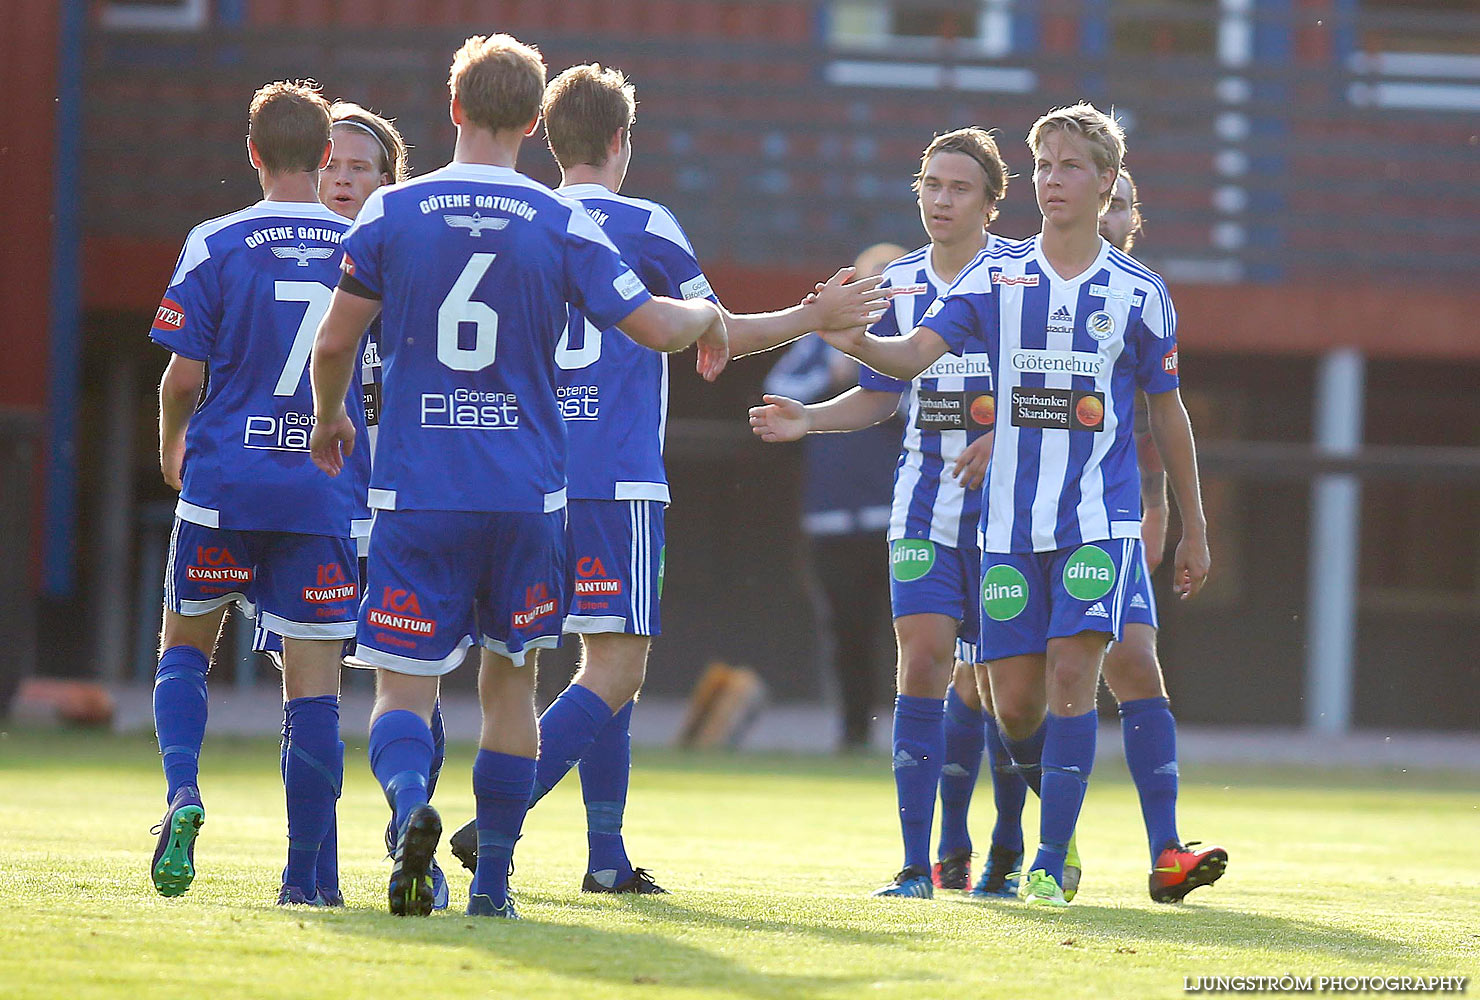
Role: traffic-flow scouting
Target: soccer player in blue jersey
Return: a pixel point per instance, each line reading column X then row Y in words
column 1072, row 328
column 934, row 559
column 471, row 268
column 614, row 398
column 1132, row 670
column 256, row 524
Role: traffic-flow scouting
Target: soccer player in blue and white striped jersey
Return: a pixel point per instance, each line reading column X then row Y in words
column 1072, row 328
column 934, row 558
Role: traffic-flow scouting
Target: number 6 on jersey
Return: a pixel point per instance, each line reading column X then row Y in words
column 460, row 307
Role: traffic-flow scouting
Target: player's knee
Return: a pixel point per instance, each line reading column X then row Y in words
column 924, row 672
column 1018, row 721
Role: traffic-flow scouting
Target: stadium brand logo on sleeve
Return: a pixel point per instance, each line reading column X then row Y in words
column 470, row 410
column 911, row 558
column 1169, row 362
column 1059, row 362
column 628, row 285
column 1100, row 325
column 1004, row 592
column 216, row 565
column 696, row 288
column 476, row 223
column 934, row 308
column 579, row 402
column 288, row 432
column 400, row 611
column 998, row 278
column 303, row 254
column 171, row 315
column 894, row 290
column 331, row 586
column 1089, row 573
column 1058, row 409
column 592, row 579
column 537, row 604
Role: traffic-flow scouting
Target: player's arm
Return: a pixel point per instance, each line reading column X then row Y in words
column 837, row 304
column 1172, row 431
column 784, row 419
column 898, row 357
column 1153, row 494
column 336, row 349
column 179, row 391
column 669, row 325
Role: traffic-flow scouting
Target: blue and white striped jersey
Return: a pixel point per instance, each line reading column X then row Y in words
column 1068, row 358
column 949, row 405
column 613, row 391
column 246, row 299
column 475, row 264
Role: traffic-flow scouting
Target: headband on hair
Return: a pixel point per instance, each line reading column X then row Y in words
column 390, row 163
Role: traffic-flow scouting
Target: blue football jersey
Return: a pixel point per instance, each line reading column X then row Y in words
column 246, row 298
column 949, row 405
column 474, row 265
column 614, row 392
column 1068, row 357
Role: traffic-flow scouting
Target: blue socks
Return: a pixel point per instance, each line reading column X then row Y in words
column 313, row 772
column 1150, row 736
column 439, row 748
column 604, row 770
column 401, row 757
column 1068, row 758
column 1009, row 790
column 180, row 714
column 1027, row 755
column 567, row 729
column 919, row 746
column 962, row 760
column 502, row 786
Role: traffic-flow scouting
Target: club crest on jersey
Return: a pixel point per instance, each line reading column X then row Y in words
column 171, row 315
column 476, row 223
column 998, row 278
column 1100, row 325
column 303, row 254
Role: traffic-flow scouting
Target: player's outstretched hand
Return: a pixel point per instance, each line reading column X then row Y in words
column 846, row 341
column 971, row 465
column 1193, row 563
column 714, row 349
column 842, row 303
column 780, row 419
column 333, row 438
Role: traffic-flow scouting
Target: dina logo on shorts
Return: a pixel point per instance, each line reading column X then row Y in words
column 1089, row 574
column 911, row 558
column 400, row 611
column 1004, row 593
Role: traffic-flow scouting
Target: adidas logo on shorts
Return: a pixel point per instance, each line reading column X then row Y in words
column 1137, row 601
column 1097, row 610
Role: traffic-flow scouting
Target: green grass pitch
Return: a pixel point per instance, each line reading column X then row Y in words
column 770, row 860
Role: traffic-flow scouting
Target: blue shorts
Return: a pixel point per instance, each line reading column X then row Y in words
column 264, row 640
column 1140, row 602
column 927, row 578
column 300, row 586
column 439, row 580
column 1029, row 598
column 617, row 553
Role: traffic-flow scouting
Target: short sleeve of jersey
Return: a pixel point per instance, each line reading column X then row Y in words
column 362, row 261
column 1157, row 371
column 190, row 312
column 887, row 326
column 672, row 255
column 955, row 317
column 599, row 281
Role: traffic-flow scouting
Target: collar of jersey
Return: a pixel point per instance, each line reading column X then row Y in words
column 479, row 168
column 1053, row 276
column 298, row 208
column 586, row 188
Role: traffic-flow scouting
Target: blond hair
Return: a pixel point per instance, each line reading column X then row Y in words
column 288, row 125
column 499, row 82
column 978, row 144
column 383, row 130
column 583, row 107
column 1103, row 133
